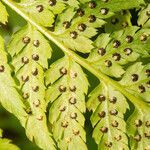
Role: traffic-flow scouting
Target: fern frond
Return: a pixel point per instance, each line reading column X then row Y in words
column 68, row 86
column 112, row 56
column 74, row 31
column 76, row 26
column 134, row 81
column 119, row 21
column 42, row 11
column 37, row 131
column 4, row 14
column 73, row 22
column 108, row 117
column 114, row 51
column 144, row 16
column 138, row 129
column 106, row 104
column 137, row 80
column 30, row 52
column 9, row 97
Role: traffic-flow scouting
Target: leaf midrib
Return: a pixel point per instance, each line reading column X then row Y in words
column 137, row 101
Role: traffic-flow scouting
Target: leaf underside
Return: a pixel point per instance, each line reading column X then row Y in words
column 50, row 97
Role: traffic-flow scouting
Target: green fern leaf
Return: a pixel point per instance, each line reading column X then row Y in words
column 4, row 14
column 41, row 11
column 144, row 16
column 71, row 24
column 37, row 131
column 72, row 19
column 69, row 29
column 114, row 60
column 138, row 123
column 108, row 117
column 118, row 21
column 114, row 51
column 9, row 97
column 108, row 113
column 29, row 59
column 138, row 129
column 44, row 12
column 137, row 81
column 66, row 93
column 29, row 38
